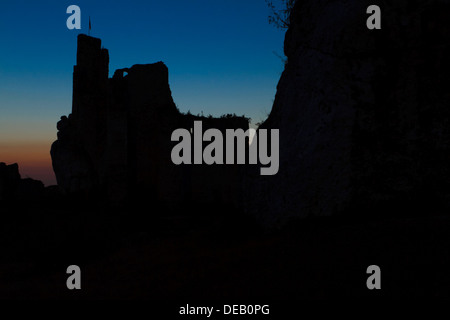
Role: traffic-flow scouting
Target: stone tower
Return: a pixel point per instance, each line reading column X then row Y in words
column 90, row 97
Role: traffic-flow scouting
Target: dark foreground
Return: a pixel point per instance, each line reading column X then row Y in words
column 222, row 257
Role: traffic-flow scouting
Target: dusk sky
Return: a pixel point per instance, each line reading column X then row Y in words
column 220, row 56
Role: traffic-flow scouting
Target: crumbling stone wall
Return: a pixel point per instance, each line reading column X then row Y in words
column 117, row 141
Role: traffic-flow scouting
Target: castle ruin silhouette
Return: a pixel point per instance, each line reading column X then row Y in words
column 117, row 141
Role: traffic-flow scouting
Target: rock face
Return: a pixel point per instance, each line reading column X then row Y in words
column 117, row 141
column 14, row 188
column 363, row 114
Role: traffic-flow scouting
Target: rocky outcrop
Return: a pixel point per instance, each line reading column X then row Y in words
column 14, row 188
column 363, row 114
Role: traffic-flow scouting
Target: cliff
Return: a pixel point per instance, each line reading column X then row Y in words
column 363, row 114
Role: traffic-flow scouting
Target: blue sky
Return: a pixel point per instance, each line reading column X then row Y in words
column 220, row 56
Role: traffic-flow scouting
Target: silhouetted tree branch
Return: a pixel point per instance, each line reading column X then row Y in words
column 281, row 13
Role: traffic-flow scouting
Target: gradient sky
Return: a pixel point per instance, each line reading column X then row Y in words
column 220, row 56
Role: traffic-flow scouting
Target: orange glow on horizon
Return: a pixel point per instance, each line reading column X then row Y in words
column 33, row 159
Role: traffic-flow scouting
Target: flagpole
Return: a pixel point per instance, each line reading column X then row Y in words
column 89, row 30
